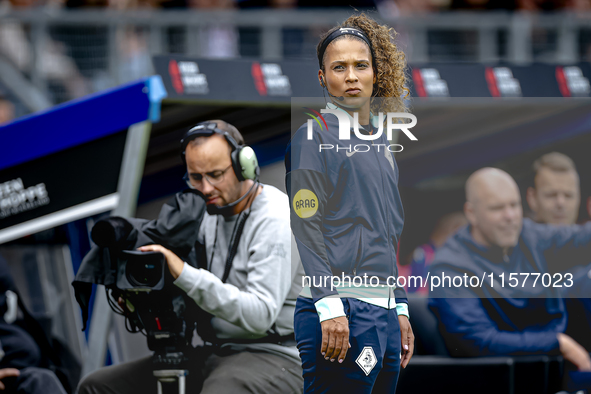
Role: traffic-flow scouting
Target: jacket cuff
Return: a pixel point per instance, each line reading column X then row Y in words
column 402, row 309
column 329, row 308
column 189, row 278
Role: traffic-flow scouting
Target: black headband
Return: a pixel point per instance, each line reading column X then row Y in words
column 339, row 32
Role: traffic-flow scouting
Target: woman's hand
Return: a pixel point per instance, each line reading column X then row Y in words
column 407, row 339
column 175, row 264
column 335, row 338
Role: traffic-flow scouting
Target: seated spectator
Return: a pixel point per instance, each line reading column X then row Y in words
column 424, row 254
column 52, row 61
column 219, row 40
column 501, row 318
column 555, row 197
column 6, row 109
column 30, row 380
column 483, row 4
column 23, row 364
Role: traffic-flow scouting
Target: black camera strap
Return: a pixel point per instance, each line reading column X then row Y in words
column 234, row 241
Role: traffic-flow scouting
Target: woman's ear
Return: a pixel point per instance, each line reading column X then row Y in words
column 321, row 78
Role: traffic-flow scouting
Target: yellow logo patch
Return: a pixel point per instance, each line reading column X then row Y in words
column 305, row 203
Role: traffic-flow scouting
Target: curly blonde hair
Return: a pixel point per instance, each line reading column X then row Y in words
column 389, row 62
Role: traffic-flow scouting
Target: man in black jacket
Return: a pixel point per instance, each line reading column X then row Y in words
column 21, row 358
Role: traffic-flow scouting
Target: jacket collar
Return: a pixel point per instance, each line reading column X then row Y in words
column 492, row 253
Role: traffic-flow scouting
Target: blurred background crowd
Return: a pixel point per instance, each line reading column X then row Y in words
column 68, row 48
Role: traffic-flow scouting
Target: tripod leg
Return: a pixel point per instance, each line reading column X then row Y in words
column 181, row 384
column 178, row 376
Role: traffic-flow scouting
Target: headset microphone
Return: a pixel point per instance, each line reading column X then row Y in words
column 340, row 98
column 227, row 210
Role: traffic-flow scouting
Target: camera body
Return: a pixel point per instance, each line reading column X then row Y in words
column 155, row 306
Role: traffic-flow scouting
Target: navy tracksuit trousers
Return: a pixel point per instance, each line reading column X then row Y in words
column 372, row 364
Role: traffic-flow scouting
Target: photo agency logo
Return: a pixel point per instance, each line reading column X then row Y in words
column 391, row 120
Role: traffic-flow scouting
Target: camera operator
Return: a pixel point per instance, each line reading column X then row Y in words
column 247, row 282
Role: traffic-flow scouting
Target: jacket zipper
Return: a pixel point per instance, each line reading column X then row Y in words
column 359, row 245
column 387, row 217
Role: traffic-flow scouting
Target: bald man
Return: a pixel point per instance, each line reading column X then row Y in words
column 507, row 317
column 493, row 208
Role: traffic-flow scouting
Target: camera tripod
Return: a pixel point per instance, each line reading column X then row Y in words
column 169, row 369
column 171, row 376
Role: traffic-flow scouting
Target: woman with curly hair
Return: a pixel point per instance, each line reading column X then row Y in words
column 351, row 322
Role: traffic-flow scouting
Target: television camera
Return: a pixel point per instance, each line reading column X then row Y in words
column 145, row 295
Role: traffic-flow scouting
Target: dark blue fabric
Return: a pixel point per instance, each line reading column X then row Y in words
column 495, row 320
column 369, row 325
column 19, row 347
column 578, row 381
column 578, row 306
column 6, row 283
column 38, row 381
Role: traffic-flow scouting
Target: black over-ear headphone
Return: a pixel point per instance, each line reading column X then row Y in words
column 244, row 160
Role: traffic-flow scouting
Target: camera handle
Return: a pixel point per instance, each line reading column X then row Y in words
column 170, row 376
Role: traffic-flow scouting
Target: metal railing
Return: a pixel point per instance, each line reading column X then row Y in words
column 105, row 48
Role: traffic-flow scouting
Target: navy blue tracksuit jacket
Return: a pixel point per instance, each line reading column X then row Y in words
column 355, row 228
